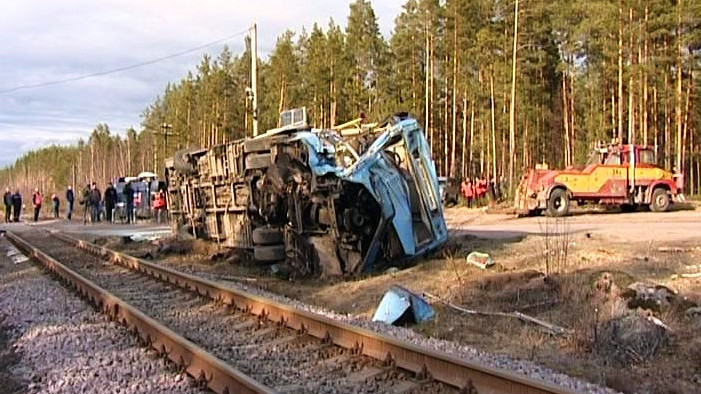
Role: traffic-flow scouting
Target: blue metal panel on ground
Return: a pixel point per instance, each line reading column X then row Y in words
column 400, row 306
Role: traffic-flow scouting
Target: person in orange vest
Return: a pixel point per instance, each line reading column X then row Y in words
column 468, row 192
column 159, row 204
column 482, row 187
column 36, row 201
column 478, row 192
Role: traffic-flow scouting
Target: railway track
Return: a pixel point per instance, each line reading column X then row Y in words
column 236, row 342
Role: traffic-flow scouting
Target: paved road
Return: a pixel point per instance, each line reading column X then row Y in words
column 638, row 226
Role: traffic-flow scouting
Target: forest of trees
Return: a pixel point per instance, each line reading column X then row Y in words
column 499, row 85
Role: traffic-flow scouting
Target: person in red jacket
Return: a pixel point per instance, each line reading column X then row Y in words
column 36, row 201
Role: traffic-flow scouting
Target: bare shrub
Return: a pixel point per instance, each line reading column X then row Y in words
column 556, row 239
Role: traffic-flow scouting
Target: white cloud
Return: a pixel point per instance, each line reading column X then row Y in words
column 53, row 40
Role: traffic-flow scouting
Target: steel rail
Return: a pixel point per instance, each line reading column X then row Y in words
column 424, row 362
column 219, row 376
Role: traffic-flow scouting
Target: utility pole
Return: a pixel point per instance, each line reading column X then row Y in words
column 165, row 127
column 254, row 77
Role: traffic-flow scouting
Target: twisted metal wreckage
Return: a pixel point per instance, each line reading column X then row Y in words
column 326, row 201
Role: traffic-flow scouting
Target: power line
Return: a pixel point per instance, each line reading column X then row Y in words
column 125, row 68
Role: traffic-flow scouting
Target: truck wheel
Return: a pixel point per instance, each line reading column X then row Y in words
column 257, row 161
column 558, row 203
column 269, row 253
column 267, row 236
column 660, row 200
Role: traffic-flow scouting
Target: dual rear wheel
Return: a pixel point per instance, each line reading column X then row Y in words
column 269, row 244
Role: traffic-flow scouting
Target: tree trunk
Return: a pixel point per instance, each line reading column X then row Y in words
column 620, row 70
column 512, row 104
column 566, row 121
column 455, row 95
column 678, row 97
column 631, row 109
column 463, row 171
column 472, row 136
column 667, row 125
column 644, row 108
column 427, row 102
column 494, row 132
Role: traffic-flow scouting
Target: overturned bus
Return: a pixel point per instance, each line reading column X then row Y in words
column 325, row 201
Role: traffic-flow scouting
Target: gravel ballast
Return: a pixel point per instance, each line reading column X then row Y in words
column 59, row 344
column 524, row 367
column 457, row 350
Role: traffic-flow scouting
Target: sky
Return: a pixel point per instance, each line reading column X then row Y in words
column 47, row 41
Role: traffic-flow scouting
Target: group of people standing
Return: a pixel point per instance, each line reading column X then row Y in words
column 479, row 191
column 98, row 206
column 91, row 198
column 13, row 204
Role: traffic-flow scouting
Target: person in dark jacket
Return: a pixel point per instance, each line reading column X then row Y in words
column 55, row 202
column 36, row 201
column 129, row 198
column 95, row 198
column 70, row 199
column 16, row 205
column 7, row 199
column 85, row 201
column 110, row 201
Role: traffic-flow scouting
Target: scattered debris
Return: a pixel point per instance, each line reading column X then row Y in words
column 16, row 256
column 632, row 338
column 481, row 260
column 694, row 315
column 649, row 296
column 687, row 276
column 221, row 254
column 693, row 311
column 20, row 258
column 671, row 249
column 400, row 306
column 392, row 270
column 149, row 235
column 281, row 271
column 549, row 327
column 173, row 246
column 231, row 278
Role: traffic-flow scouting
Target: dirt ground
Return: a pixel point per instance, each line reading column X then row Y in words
column 571, row 272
